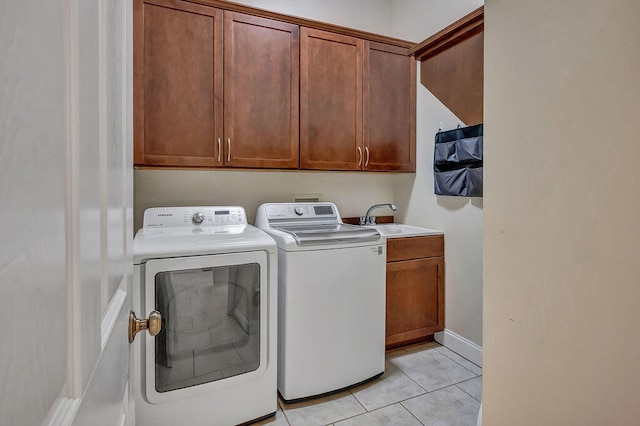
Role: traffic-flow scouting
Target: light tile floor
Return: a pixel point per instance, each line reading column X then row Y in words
column 425, row 384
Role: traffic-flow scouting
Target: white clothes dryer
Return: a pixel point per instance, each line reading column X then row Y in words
column 213, row 278
column 331, row 299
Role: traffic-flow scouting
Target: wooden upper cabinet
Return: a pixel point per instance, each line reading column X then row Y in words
column 389, row 107
column 224, row 88
column 357, row 104
column 261, row 92
column 177, row 83
column 330, row 101
column 181, row 97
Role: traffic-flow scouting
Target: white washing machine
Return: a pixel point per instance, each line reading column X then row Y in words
column 331, row 303
column 213, row 278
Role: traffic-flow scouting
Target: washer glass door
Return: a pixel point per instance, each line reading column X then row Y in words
column 213, row 323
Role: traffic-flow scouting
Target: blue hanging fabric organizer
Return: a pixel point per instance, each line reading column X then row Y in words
column 457, row 162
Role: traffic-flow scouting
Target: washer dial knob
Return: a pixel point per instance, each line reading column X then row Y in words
column 298, row 210
column 197, row 218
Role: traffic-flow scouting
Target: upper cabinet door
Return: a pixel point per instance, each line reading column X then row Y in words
column 261, row 92
column 330, row 101
column 178, row 84
column 389, row 108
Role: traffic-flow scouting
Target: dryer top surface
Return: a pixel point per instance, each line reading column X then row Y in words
column 195, row 231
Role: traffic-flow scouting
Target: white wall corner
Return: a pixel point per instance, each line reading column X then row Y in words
column 63, row 412
column 458, row 344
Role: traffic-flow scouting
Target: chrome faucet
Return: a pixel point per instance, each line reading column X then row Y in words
column 371, row 220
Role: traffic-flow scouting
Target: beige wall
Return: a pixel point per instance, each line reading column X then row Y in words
column 562, row 217
column 353, row 193
column 366, row 15
column 459, row 217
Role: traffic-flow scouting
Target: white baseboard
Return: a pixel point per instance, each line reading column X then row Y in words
column 458, row 344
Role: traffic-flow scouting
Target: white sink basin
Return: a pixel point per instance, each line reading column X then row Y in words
column 398, row 230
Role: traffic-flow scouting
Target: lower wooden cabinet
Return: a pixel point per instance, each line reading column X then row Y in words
column 415, row 289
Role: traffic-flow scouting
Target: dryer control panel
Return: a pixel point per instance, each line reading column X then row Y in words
column 174, row 217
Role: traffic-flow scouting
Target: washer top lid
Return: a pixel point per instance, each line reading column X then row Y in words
column 329, row 233
column 306, row 225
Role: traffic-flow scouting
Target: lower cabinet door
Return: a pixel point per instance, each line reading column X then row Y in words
column 415, row 300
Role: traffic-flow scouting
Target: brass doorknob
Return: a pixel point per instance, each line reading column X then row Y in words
column 153, row 324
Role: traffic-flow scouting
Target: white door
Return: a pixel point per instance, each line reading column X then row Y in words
column 65, row 211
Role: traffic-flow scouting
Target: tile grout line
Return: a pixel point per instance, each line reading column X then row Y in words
column 449, row 386
column 401, row 402
column 284, row 413
column 410, row 378
column 358, row 401
column 441, row 353
column 443, row 387
column 366, row 411
column 351, row 417
column 411, row 412
column 456, row 385
column 397, row 402
column 380, row 408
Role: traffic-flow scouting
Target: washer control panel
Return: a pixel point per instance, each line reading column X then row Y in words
column 168, row 217
column 311, row 211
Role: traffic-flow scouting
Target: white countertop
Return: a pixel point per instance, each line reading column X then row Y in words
column 399, row 230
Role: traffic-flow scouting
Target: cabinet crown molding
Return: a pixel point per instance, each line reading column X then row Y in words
column 462, row 29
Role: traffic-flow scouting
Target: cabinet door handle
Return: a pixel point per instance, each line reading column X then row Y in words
column 228, row 149
column 219, row 149
column 366, row 162
column 360, row 157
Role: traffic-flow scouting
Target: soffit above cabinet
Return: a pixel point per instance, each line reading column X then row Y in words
column 452, row 66
column 304, row 22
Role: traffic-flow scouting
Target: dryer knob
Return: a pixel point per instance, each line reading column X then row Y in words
column 299, row 211
column 197, row 218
